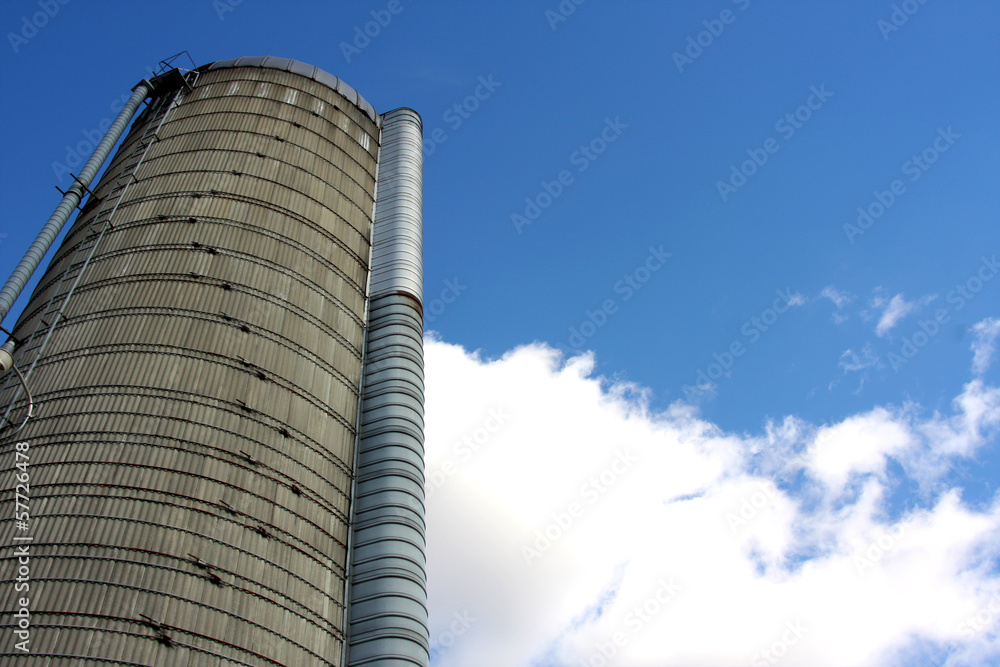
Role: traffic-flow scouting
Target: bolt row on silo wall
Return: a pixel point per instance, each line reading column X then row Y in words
column 200, row 396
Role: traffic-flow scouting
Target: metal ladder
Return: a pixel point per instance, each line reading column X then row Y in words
column 32, row 348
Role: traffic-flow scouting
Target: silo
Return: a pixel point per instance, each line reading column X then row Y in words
column 196, row 355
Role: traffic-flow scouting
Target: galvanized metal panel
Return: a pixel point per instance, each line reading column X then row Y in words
column 200, row 395
column 302, row 69
column 387, row 604
column 397, row 259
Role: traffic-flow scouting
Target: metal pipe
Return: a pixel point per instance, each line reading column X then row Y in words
column 6, row 357
column 24, row 270
column 387, row 603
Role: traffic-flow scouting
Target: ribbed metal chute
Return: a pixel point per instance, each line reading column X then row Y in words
column 195, row 408
column 388, row 582
column 388, row 599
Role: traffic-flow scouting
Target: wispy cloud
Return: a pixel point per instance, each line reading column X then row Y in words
column 839, row 297
column 894, row 312
column 891, row 311
column 984, row 346
column 852, row 361
column 796, row 299
column 859, row 362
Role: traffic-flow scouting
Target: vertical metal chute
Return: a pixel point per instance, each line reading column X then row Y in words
column 33, row 257
column 388, row 583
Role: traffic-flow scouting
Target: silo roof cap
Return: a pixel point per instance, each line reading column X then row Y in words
column 304, row 69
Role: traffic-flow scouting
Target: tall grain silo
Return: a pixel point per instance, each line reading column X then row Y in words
column 223, row 366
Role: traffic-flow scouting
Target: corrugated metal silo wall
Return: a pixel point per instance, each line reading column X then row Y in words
column 199, row 399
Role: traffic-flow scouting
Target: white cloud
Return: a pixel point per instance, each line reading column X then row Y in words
column 977, row 410
column 857, row 446
column 894, row 312
column 984, row 346
column 860, row 362
column 839, row 297
column 573, row 520
column 796, row 299
column 852, row 361
column 891, row 311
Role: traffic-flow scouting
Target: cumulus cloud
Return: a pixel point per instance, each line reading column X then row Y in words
column 984, row 345
column 568, row 522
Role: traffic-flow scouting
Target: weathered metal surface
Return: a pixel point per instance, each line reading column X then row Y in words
column 397, row 256
column 387, row 604
column 191, row 458
column 310, row 71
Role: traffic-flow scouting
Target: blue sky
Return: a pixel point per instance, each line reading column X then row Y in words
column 672, row 191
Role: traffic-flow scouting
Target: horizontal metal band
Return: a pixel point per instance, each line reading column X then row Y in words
column 388, row 595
